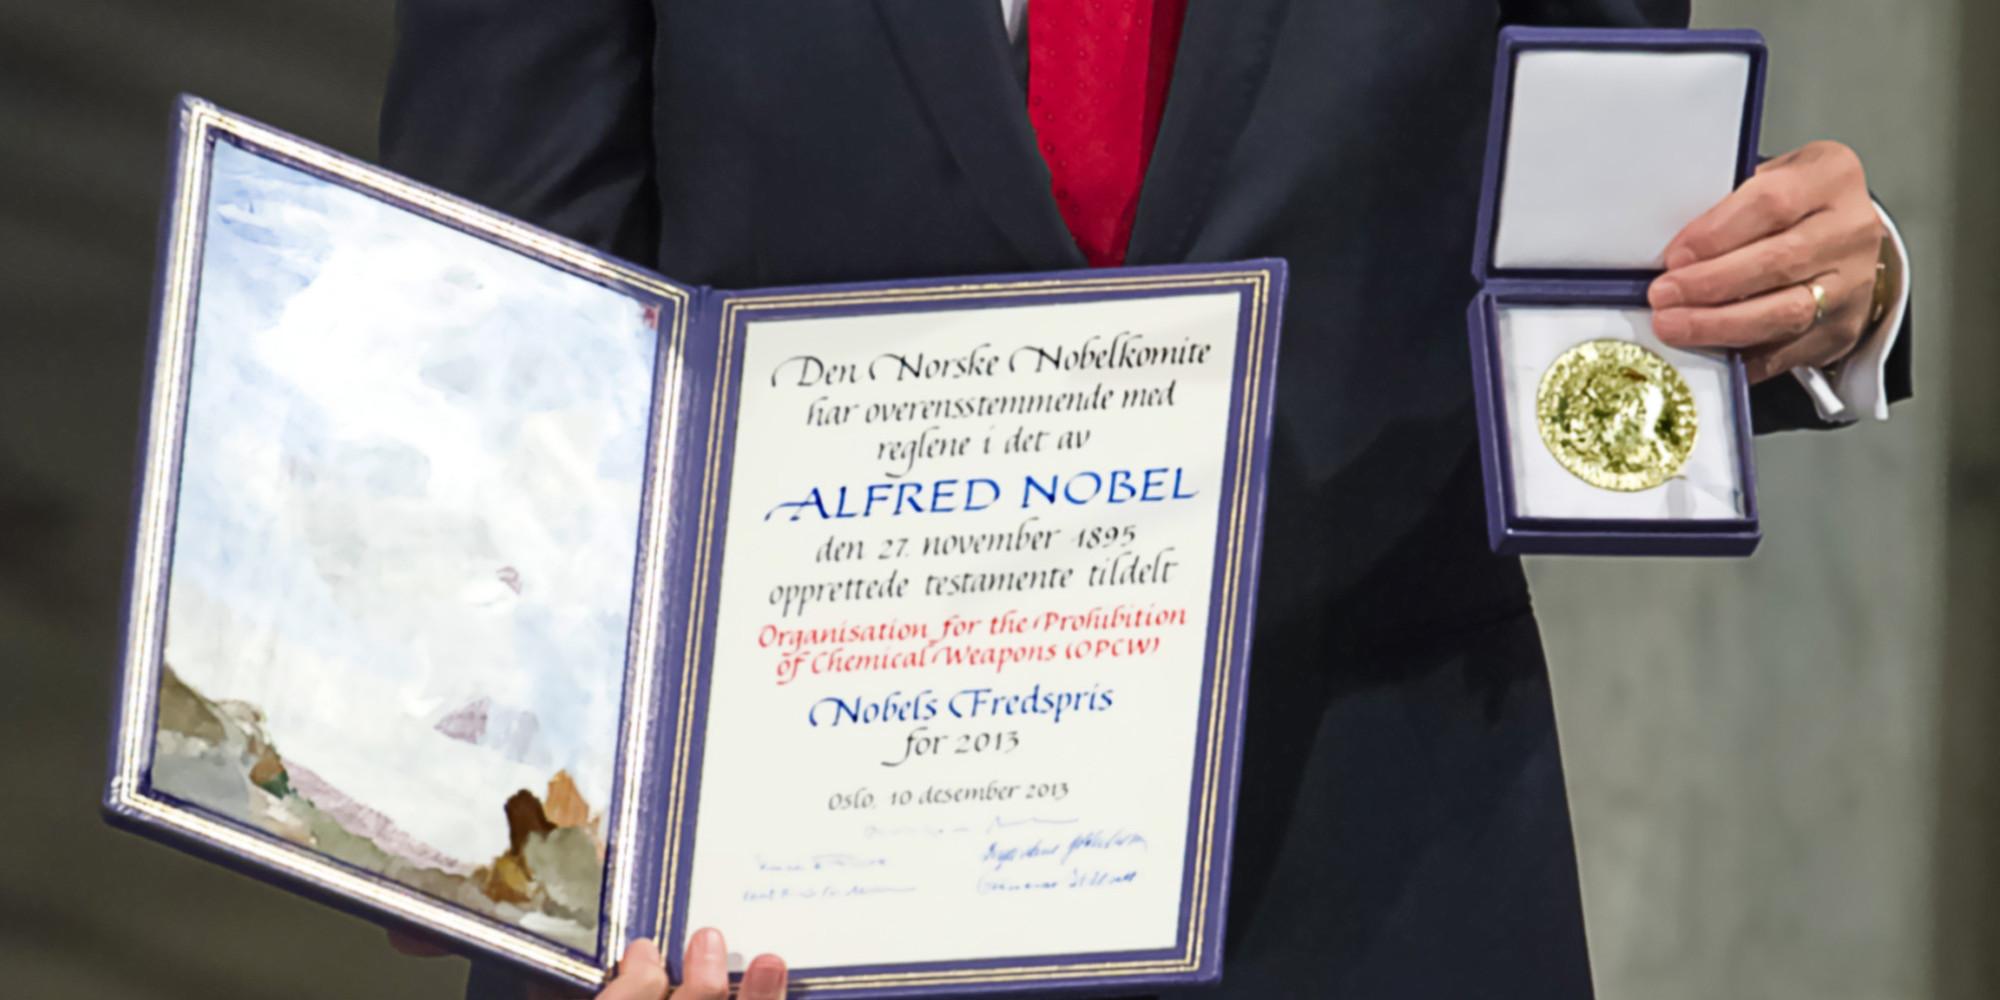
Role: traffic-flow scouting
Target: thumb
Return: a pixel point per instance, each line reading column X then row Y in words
column 641, row 974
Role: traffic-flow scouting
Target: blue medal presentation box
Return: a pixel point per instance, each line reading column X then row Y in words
column 1596, row 438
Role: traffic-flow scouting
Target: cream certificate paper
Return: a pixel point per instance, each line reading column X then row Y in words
column 962, row 630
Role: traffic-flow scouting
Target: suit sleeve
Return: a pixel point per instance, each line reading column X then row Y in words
column 540, row 109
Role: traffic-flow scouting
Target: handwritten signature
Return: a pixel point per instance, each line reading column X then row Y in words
column 821, row 862
column 1000, row 853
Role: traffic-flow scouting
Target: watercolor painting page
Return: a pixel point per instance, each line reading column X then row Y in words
column 403, row 555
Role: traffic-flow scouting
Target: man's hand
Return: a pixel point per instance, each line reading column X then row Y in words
column 1741, row 275
column 642, row 976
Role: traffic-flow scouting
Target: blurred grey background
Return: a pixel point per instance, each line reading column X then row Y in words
column 1783, row 770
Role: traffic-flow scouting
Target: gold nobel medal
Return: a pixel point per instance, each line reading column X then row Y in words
column 1616, row 415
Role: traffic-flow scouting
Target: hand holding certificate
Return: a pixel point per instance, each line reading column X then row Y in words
column 494, row 588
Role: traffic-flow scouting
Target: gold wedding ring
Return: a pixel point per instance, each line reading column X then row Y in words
column 1819, row 303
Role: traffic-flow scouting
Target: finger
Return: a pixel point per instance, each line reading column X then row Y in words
column 1817, row 349
column 764, row 979
column 1772, row 317
column 1764, row 205
column 705, row 966
column 1819, row 244
column 1783, row 192
column 641, row 974
column 415, row 946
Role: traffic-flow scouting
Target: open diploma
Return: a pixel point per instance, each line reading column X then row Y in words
column 486, row 585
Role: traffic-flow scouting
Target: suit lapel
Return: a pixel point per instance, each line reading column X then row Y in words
column 958, row 59
column 1225, row 51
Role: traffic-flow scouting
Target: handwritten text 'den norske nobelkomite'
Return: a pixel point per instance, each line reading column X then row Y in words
column 1120, row 351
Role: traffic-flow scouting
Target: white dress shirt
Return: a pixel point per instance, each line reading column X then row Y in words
column 1857, row 388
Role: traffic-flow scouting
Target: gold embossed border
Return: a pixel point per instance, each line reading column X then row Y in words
column 1255, row 285
column 201, row 126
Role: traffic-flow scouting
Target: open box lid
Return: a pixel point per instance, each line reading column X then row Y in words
column 1604, row 144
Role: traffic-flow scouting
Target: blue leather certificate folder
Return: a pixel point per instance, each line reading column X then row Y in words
column 487, row 586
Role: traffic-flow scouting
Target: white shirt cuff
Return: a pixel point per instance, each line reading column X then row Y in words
column 1859, row 387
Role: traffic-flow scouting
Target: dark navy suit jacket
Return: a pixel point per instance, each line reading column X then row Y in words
column 1403, row 829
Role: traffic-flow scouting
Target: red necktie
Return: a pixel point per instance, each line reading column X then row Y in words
column 1097, row 82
